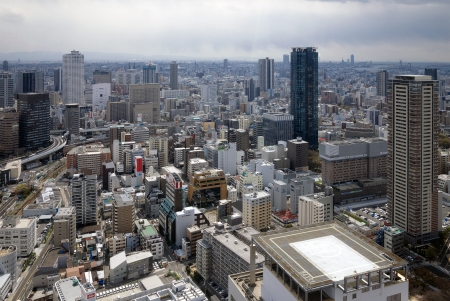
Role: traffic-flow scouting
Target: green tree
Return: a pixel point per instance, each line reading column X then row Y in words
column 314, row 161
column 444, row 141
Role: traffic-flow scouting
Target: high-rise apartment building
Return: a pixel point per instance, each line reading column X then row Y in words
column 6, row 89
column 73, row 78
column 208, row 92
column 305, row 93
column 72, row 118
column 382, row 83
column 31, row 81
column 57, row 79
column 9, row 131
column 413, row 161
column 286, row 61
column 161, row 145
column 64, row 227
column 265, row 74
column 249, row 89
column 174, row 75
column 34, row 120
column 5, row 66
column 225, row 64
column 431, row 72
column 84, row 198
column 150, row 74
column 257, row 209
column 277, row 127
column 352, row 59
column 124, row 213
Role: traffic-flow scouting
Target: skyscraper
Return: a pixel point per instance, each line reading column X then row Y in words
column 174, row 75
column 352, row 59
column 249, row 89
column 72, row 118
column 57, row 79
column 34, row 120
column 413, row 162
column 73, row 78
column 382, row 83
column 5, row 66
column 9, row 131
column 101, row 77
column 265, row 74
column 84, row 198
column 286, row 61
column 305, row 93
column 31, row 81
column 225, row 63
column 431, row 72
column 6, row 89
column 150, row 73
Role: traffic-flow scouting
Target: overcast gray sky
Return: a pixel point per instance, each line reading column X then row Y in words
column 377, row 30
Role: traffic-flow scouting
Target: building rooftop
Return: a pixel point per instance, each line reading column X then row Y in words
column 148, row 230
column 285, row 215
column 5, row 249
column 68, row 288
column 324, row 253
column 133, row 257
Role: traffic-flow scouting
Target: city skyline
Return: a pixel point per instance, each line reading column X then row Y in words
column 338, row 28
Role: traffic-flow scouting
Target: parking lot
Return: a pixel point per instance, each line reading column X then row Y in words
column 372, row 215
column 216, row 290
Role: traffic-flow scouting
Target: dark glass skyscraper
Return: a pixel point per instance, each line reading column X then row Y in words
column 305, row 93
column 431, row 72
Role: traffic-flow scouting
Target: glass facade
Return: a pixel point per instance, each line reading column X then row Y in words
column 304, row 94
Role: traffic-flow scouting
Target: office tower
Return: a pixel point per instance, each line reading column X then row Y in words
column 150, row 74
column 100, row 96
column 72, row 118
column 174, row 75
column 298, row 154
column 6, row 89
column 31, row 81
column 161, row 145
column 128, row 77
column 286, row 61
column 431, row 72
column 249, row 89
column 257, row 210
column 73, row 77
column 382, row 83
column 64, row 226
column 352, row 59
column 413, row 162
column 34, row 120
column 5, row 66
column 208, row 92
column 9, row 131
column 174, row 191
column 277, row 127
column 57, row 79
column 225, row 63
column 124, row 213
column 116, row 111
column 304, row 94
column 374, row 116
column 144, row 100
column 83, row 191
column 242, row 140
column 101, row 77
column 265, row 67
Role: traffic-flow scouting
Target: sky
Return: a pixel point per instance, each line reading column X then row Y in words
column 372, row 30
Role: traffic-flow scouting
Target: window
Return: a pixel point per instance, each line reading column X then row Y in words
column 354, row 296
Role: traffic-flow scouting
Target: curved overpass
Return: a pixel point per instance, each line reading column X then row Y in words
column 57, row 144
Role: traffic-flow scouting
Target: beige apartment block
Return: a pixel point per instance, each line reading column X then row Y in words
column 257, row 209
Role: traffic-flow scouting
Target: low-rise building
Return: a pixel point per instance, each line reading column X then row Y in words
column 149, row 238
column 8, row 261
column 20, row 232
column 394, row 240
column 130, row 266
column 64, row 227
column 46, row 277
column 315, row 208
column 71, row 289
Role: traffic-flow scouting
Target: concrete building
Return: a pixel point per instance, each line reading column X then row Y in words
column 101, row 77
column 73, row 78
column 193, row 234
column 265, row 75
column 220, row 253
column 128, row 77
column 130, row 266
column 256, row 210
column 279, row 193
column 150, row 73
column 267, row 169
column 145, row 94
column 249, row 178
column 71, row 289
column 350, row 160
column 64, row 227
column 84, row 198
column 412, row 191
column 34, row 120
column 242, row 140
column 100, row 96
column 6, row 89
column 195, row 164
column 174, row 190
column 174, row 75
column 72, row 118
column 124, row 213
column 349, row 267
column 160, row 144
column 298, row 154
column 31, row 81
column 117, row 110
column 277, row 127
column 298, row 187
column 9, row 130
column 88, row 159
column 221, row 155
column 394, row 240
column 19, row 232
column 315, row 208
column 46, row 277
column 208, row 92
column 8, row 262
column 173, row 94
column 149, row 238
column 183, row 220
column 382, row 84
column 208, row 179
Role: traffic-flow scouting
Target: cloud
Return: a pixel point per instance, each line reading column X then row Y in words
column 10, row 15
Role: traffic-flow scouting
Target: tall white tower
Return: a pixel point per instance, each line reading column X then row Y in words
column 73, row 78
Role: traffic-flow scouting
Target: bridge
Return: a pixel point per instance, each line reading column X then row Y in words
column 57, row 144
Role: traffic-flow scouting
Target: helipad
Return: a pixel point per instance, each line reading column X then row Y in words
column 324, row 253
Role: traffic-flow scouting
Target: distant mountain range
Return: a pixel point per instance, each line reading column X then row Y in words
column 34, row 56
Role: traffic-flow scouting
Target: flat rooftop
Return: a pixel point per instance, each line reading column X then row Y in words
column 324, row 253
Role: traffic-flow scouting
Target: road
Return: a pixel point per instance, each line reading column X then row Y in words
column 26, row 285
